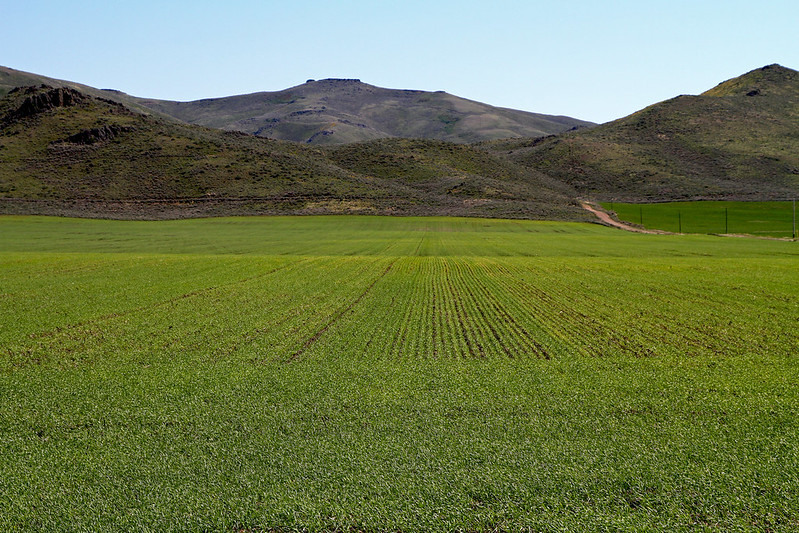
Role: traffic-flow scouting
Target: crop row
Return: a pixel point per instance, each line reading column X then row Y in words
column 450, row 307
column 428, row 307
column 271, row 310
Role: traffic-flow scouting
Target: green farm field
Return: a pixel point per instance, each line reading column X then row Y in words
column 394, row 374
column 766, row 219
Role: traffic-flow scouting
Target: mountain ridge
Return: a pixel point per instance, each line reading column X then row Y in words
column 335, row 111
column 737, row 141
column 340, row 111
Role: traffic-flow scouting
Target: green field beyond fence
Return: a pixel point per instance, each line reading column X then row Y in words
column 772, row 219
column 394, row 374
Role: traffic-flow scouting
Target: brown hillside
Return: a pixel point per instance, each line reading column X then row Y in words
column 65, row 152
column 739, row 140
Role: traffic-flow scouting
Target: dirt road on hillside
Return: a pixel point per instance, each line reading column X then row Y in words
column 605, row 218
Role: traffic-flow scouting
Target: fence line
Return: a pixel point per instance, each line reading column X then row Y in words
column 777, row 218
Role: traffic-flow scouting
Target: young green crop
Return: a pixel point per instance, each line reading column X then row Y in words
column 367, row 373
column 773, row 219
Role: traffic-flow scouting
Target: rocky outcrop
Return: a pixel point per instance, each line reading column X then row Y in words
column 44, row 98
column 322, row 133
column 94, row 135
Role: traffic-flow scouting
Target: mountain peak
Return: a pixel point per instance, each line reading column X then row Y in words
column 336, row 81
column 765, row 80
column 345, row 110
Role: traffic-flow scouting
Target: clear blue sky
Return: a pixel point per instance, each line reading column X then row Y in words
column 595, row 60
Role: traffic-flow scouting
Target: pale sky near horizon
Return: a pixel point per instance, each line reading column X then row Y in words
column 595, row 61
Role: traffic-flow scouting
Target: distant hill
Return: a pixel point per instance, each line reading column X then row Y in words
column 67, row 149
column 66, row 152
column 739, row 140
column 335, row 111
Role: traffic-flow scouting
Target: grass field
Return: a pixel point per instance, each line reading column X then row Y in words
column 771, row 219
column 366, row 373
